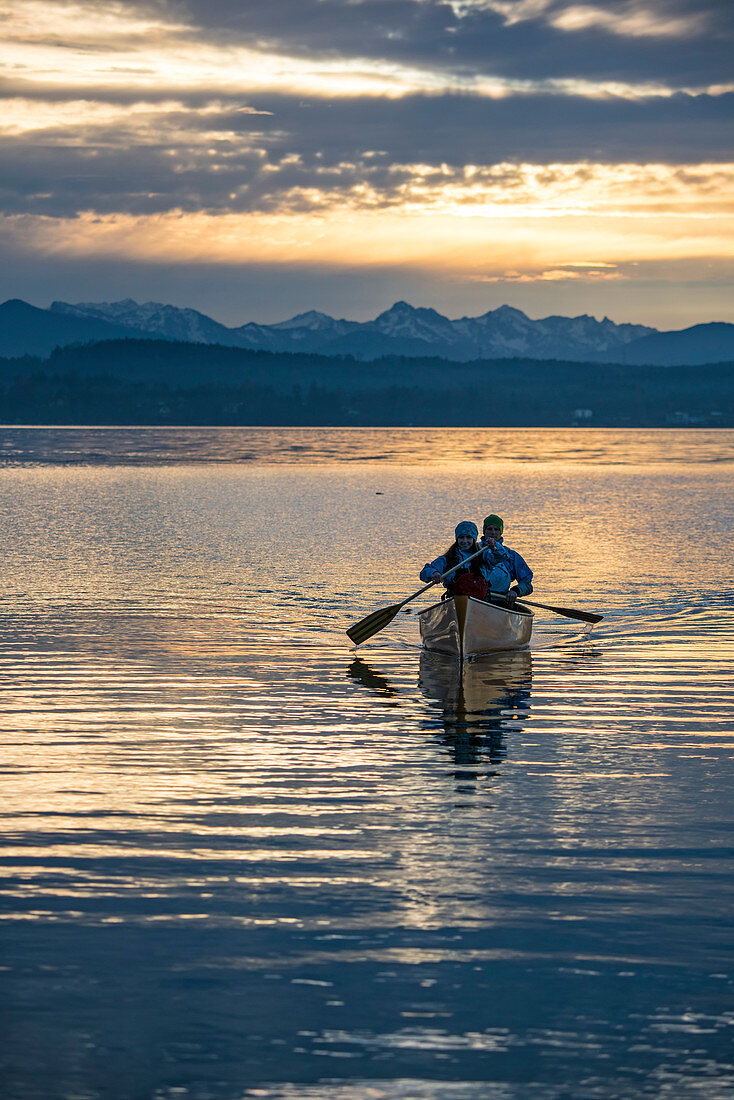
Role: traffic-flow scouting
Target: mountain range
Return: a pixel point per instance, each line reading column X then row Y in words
column 402, row 330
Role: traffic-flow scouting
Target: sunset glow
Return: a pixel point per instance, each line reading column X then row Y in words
column 167, row 134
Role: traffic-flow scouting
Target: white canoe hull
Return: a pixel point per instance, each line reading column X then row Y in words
column 466, row 627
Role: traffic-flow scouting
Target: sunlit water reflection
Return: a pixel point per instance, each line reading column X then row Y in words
column 243, row 859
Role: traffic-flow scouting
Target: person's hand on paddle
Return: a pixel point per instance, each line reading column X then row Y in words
column 491, row 533
column 435, row 577
column 512, row 597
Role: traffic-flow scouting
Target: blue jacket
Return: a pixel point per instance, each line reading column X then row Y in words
column 440, row 565
column 499, row 567
column 502, row 566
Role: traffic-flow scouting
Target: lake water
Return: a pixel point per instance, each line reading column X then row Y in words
column 241, row 859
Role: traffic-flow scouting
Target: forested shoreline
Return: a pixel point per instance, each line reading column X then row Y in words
column 159, row 383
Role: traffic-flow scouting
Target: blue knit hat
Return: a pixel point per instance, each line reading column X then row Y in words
column 466, row 527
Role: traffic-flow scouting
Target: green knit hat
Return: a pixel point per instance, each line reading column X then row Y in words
column 493, row 521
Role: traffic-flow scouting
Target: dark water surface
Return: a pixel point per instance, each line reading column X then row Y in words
column 241, row 859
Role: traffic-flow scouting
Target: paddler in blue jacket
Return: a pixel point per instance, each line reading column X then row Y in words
column 467, row 579
column 501, row 566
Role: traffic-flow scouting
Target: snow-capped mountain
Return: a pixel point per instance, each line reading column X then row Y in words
column 313, row 321
column 305, row 332
column 401, row 330
column 155, row 318
column 308, row 332
column 509, row 331
column 500, row 333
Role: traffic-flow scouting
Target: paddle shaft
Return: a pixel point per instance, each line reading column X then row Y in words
column 438, row 581
column 565, row 612
column 378, row 620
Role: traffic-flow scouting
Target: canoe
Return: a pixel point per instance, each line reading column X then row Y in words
column 465, row 627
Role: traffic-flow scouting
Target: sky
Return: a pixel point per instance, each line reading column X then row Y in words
column 258, row 158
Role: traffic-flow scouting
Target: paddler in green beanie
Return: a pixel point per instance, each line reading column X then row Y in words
column 501, row 566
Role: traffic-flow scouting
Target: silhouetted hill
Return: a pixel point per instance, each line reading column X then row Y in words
column 712, row 343
column 25, row 330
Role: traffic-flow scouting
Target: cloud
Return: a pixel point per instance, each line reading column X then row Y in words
column 533, row 39
column 525, row 217
column 629, row 19
column 581, row 271
column 381, row 133
column 178, row 67
column 374, row 47
column 63, row 157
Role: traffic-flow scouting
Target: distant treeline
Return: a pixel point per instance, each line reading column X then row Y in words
column 156, row 382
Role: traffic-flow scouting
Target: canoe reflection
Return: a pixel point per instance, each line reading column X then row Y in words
column 479, row 700
column 475, row 702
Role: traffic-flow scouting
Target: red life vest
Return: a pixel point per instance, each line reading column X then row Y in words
column 469, row 584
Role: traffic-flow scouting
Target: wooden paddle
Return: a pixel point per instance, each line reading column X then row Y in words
column 378, row 620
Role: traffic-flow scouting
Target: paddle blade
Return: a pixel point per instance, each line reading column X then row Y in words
column 573, row 613
column 588, row 617
column 372, row 624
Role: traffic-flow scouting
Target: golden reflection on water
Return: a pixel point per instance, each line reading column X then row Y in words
column 213, row 806
column 437, row 446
